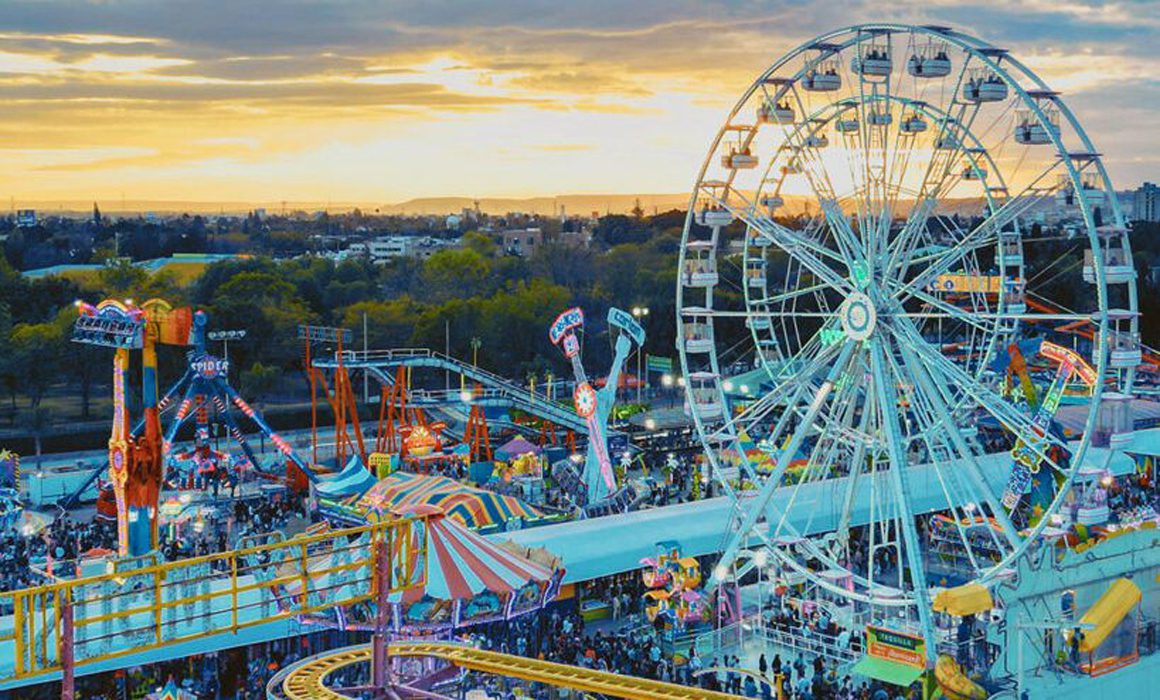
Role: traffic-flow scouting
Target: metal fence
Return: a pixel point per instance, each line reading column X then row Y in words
column 143, row 604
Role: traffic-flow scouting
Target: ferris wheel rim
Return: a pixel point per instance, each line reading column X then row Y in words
column 975, row 47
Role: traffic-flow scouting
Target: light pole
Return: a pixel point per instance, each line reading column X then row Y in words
column 475, row 343
column 639, row 312
column 226, row 337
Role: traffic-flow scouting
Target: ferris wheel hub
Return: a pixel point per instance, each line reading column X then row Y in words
column 858, row 316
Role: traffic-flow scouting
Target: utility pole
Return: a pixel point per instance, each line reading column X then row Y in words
column 639, row 312
column 366, row 354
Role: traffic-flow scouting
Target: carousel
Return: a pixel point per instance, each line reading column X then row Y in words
column 469, row 580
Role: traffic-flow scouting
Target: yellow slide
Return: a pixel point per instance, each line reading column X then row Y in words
column 1107, row 612
column 954, row 683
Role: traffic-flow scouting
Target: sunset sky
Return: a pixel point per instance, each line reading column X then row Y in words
column 384, row 101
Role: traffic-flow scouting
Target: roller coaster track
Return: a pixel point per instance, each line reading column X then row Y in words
column 379, row 363
column 307, row 681
column 1085, row 329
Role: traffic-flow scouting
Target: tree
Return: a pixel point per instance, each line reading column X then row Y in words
column 36, row 355
column 390, row 324
column 568, row 266
column 36, row 422
column 268, row 307
column 455, row 274
column 485, row 246
column 616, row 229
column 120, row 277
column 80, row 363
column 258, row 381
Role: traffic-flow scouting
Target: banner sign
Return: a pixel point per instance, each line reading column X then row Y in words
column 324, row 334
column 209, row 366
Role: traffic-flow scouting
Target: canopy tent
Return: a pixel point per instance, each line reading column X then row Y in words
column 515, row 447
column 354, row 479
column 461, row 564
column 892, row 672
column 968, row 599
column 471, row 507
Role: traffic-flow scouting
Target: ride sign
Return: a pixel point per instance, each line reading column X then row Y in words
column 566, row 321
column 1027, row 451
column 624, row 321
column 209, row 367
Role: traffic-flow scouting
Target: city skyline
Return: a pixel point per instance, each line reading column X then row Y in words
column 385, row 102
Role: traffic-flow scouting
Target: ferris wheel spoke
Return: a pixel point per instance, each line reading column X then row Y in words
column 797, row 246
column 888, row 409
column 990, row 227
column 825, row 452
column 969, row 317
column 1038, row 441
column 825, row 193
column 933, row 392
column 856, row 464
column 792, row 242
column 788, row 296
column 762, row 501
column 935, row 178
column 796, row 380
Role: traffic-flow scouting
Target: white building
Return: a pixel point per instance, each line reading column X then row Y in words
column 1146, row 203
column 387, row 248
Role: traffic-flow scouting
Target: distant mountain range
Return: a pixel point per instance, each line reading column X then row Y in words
column 574, row 204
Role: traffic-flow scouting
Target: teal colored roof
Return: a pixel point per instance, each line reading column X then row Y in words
column 151, row 265
column 59, row 270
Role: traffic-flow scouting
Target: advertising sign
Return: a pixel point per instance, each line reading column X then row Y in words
column 894, row 646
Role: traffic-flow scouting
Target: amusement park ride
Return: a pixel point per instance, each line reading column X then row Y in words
column 138, row 453
column 598, row 481
column 902, row 467
column 891, row 336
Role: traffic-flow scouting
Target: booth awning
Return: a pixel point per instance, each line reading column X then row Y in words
column 901, row 675
column 969, row 599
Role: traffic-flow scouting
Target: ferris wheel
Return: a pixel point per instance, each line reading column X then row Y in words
column 902, row 255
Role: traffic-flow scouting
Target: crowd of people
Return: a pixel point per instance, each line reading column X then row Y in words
column 637, row 650
column 28, row 558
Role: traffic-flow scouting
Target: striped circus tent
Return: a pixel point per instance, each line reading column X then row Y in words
column 468, row 578
column 471, row 507
column 354, row 479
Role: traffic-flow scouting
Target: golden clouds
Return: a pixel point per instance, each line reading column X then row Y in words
column 388, row 100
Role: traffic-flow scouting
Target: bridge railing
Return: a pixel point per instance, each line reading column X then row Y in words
column 502, row 387
column 143, row 604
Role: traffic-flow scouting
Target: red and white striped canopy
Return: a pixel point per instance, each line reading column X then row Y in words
column 461, row 564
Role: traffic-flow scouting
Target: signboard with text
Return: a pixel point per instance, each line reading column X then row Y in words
column 898, row 647
column 566, row 321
